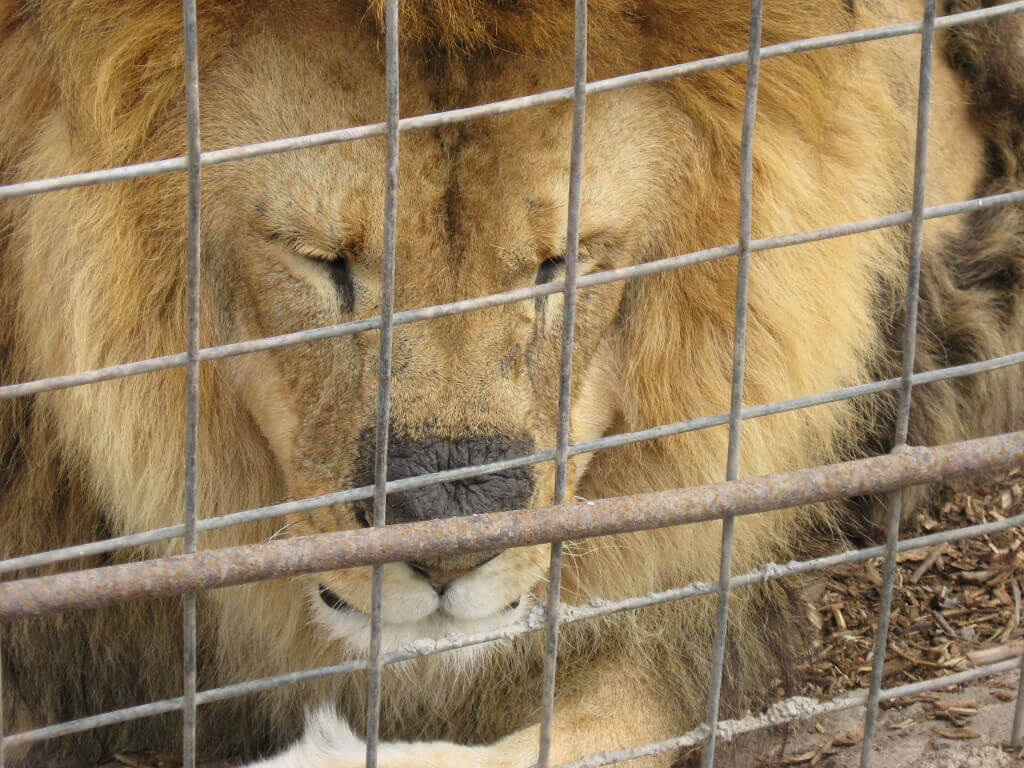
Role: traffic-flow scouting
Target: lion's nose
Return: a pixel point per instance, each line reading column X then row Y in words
column 506, row 489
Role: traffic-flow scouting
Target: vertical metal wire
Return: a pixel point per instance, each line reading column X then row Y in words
column 738, row 361
column 892, row 532
column 1, row 702
column 572, row 247
column 387, row 309
column 188, row 737
column 1016, row 733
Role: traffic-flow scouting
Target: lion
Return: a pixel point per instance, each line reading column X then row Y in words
column 95, row 276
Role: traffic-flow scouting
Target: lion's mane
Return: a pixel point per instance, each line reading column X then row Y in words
column 95, row 277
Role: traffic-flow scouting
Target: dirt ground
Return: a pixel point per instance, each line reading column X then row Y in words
column 965, row 728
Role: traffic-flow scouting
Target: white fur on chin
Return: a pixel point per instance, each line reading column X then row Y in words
column 490, row 598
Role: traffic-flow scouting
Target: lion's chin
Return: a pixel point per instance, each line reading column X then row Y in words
column 436, row 620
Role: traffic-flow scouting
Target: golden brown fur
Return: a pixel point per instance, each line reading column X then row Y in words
column 95, row 276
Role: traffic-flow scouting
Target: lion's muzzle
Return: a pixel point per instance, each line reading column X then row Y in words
column 495, row 492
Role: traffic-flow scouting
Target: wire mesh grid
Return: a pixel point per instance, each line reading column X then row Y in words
column 193, row 571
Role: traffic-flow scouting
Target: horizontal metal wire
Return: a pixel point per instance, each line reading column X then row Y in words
column 532, row 622
column 786, row 711
column 589, row 446
column 438, row 119
column 498, row 299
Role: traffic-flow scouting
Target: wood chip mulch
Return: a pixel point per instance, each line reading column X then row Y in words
column 955, row 606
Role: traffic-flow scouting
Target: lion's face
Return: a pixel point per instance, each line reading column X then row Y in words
column 295, row 241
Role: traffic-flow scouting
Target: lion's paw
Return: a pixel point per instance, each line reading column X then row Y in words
column 329, row 743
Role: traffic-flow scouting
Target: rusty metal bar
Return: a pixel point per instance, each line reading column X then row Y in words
column 438, row 119
column 895, row 501
column 420, row 481
column 738, row 364
column 572, row 249
column 532, row 622
column 344, row 549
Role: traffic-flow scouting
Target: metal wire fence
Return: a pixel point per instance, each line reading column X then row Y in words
column 193, row 571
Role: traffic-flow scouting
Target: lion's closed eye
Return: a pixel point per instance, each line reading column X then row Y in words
column 550, row 269
column 340, row 271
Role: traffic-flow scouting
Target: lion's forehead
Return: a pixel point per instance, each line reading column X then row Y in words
column 498, row 183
